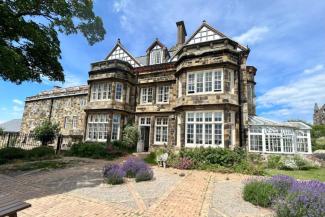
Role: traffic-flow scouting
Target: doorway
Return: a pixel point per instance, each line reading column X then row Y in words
column 145, row 132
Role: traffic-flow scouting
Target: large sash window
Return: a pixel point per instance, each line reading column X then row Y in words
column 205, row 82
column 97, row 127
column 204, row 128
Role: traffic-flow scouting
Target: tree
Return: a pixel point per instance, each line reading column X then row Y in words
column 130, row 136
column 46, row 132
column 318, row 137
column 1, row 131
column 29, row 44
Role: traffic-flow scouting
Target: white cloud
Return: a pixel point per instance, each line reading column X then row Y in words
column 316, row 68
column 70, row 81
column 253, row 35
column 18, row 102
column 17, row 108
column 296, row 99
column 120, row 5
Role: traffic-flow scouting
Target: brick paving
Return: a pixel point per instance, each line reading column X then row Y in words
column 80, row 191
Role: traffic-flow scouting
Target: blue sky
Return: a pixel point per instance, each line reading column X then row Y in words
column 287, row 41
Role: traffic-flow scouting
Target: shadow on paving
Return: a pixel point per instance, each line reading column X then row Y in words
column 35, row 184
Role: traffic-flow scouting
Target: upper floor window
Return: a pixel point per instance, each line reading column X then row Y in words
column 83, row 102
column 146, row 95
column 101, row 91
column 118, row 91
column 66, row 122
column 162, row 94
column 156, row 55
column 204, row 82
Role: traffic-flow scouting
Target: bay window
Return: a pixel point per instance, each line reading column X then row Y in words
column 161, row 130
column 205, row 81
column 116, row 127
column 146, row 95
column 97, row 127
column 204, row 128
column 162, row 94
column 118, row 91
column 101, row 91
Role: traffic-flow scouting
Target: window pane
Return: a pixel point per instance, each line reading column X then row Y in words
column 199, row 134
column 218, row 134
column 190, row 133
column 217, row 80
column 199, row 82
column 208, row 81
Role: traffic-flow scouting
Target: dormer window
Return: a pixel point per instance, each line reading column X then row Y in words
column 156, row 55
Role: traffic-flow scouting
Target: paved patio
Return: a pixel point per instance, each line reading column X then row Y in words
column 80, row 191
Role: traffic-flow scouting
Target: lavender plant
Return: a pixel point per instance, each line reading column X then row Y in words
column 132, row 165
column 305, row 198
column 113, row 174
column 282, row 183
column 144, row 174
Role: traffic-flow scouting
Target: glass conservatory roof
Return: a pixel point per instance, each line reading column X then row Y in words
column 260, row 121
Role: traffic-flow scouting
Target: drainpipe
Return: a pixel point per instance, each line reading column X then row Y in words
column 51, row 108
column 241, row 137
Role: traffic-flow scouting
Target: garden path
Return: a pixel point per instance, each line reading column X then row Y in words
column 80, row 191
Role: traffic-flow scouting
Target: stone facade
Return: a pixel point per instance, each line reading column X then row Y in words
column 198, row 93
column 319, row 115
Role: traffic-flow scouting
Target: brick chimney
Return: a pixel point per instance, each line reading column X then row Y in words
column 181, row 33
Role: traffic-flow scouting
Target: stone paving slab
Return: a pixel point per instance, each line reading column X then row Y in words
column 80, row 191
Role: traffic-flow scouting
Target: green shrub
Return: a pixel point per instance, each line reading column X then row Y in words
column 151, row 158
column 302, row 163
column 11, row 153
column 130, row 136
column 42, row 152
column 46, row 132
column 144, row 174
column 259, row 193
column 91, row 150
column 274, row 161
column 220, row 156
column 248, row 167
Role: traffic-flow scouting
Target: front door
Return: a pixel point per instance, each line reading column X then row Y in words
column 145, row 130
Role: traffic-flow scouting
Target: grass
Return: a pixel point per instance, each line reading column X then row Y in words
column 316, row 174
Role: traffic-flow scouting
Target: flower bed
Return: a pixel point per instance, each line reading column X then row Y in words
column 288, row 196
column 132, row 168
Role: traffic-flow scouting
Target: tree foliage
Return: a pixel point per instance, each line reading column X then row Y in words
column 46, row 132
column 130, row 136
column 1, row 131
column 29, row 44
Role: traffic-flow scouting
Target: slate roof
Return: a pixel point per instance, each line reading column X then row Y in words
column 11, row 126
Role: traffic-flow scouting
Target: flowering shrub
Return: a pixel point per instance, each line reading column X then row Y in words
column 113, row 174
column 144, row 174
column 291, row 198
column 281, row 183
column 305, row 198
column 184, row 163
column 132, row 165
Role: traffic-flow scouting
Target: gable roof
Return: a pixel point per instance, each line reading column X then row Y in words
column 119, row 52
column 11, row 126
column 204, row 33
column 156, row 42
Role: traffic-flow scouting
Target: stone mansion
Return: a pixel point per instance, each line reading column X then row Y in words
column 200, row 92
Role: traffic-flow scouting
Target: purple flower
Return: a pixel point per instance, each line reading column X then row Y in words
column 113, row 174
column 282, row 183
column 184, row 163
column 132, row 165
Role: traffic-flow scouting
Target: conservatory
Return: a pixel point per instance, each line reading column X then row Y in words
column 267, row 136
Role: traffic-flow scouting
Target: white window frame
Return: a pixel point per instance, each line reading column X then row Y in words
column 161, row 126
column 66, row 122
column 194, row 84
column 144, row 95
column 98, row 91
column 74, row 122
column 116, row 125
column 255, row 131
column 118, row 94
column 157, row 50
column 144, row 121
column 302, row 141
column 164, row 94
column 97, row 125
column 196, row 120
